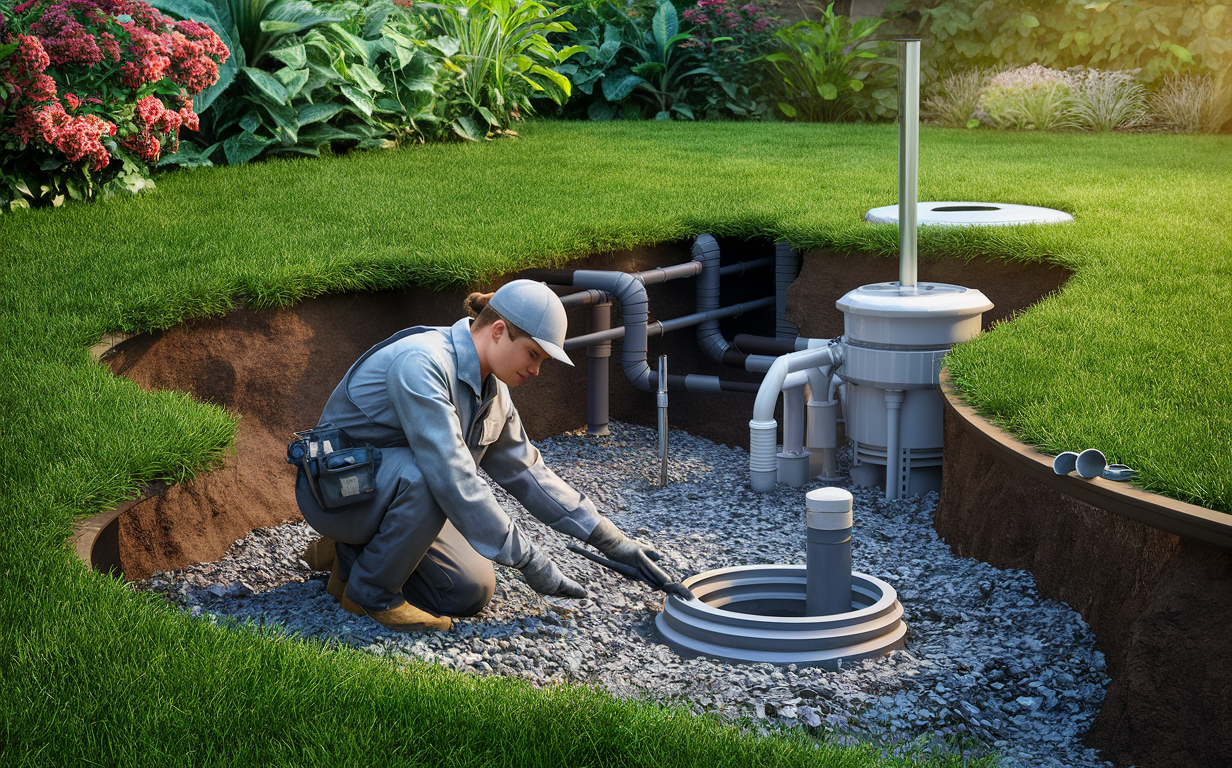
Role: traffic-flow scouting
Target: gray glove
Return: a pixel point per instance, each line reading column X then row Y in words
column 608, row 539
column 545, row 578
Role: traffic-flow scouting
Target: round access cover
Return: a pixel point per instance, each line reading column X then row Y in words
column 965, row 214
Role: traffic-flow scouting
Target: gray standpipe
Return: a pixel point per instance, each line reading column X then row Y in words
column 829, row 552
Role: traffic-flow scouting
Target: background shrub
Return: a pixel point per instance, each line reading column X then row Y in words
column 92, row 93
column 1160, row 37
column 1193, row 103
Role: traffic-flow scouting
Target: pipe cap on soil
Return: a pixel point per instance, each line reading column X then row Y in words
column 534, row 308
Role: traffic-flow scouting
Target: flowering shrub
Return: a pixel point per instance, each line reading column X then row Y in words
column 727, row 36
column 92, row 92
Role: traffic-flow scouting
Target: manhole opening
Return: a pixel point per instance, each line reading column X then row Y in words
column 957, row 208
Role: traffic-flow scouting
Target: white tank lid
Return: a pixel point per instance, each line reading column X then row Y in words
column 924, row 300
column 968, row 214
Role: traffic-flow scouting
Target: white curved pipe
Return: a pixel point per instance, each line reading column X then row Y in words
column 763, row 429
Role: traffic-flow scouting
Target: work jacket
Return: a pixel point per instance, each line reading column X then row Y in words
column 420, row 388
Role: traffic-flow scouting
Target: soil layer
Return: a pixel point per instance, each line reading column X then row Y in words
column 1159, row 605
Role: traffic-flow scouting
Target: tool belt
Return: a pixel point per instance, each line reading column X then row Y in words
column 339, row 472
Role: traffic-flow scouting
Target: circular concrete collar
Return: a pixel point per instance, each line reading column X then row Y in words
column 967, row 214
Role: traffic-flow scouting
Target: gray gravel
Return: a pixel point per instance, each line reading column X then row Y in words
column 989, row 664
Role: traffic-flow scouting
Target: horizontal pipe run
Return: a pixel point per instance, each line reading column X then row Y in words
column 740, row 267
column 658, row 327
column 674, row 272
column 585, row 298
column 763, row 345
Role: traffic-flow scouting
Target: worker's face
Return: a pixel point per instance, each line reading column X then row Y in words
column 514, row 361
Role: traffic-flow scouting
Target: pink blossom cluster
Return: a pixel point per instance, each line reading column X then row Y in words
column 83, row 40
column 725, row 18
column 76, row 136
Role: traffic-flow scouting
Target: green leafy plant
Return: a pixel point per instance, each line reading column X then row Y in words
column 501, row 52
column 656, row 77
column 1159, row 37
column 825, row 63
column 371, row 82
column 249, row 28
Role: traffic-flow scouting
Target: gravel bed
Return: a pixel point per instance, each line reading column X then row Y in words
column 990, row 666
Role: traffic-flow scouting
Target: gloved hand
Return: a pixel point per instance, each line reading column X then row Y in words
column 608, row 539
column 545, row 578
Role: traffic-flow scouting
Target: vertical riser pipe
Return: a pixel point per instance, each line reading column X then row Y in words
column 829, row 520
column 597, row 372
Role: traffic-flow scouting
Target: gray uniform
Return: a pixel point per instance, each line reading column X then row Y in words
column 417, row 396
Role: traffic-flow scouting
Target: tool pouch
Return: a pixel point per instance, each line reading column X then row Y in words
column 338, row 471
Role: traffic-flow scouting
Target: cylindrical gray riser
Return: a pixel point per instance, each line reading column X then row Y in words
column 799, row 641
column 829, row 572
column 716, row 624
column 688, row 648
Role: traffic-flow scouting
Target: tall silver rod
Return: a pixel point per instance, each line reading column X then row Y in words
column 908, row 157
column 662, row 421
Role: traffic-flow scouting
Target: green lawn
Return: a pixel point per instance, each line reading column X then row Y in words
column 1132, row 356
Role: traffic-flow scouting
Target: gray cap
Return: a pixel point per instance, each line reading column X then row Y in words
column 532, row 307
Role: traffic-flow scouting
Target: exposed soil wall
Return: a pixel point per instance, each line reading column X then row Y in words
column 1160, row 606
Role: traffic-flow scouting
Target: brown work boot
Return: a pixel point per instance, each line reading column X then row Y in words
column 337, row 589
column 408, row 618
column 320, row 554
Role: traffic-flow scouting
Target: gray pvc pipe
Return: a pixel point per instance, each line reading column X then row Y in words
column 709, row 337
column 630, row 291
column 829, row 520
column 894, row 408
column 786, row 268
column 597, row 372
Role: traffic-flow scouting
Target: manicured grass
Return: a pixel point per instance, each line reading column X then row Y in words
column 1132, row 357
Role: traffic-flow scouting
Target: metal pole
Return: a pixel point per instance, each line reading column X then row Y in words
column 662, row 421
column 908, row 158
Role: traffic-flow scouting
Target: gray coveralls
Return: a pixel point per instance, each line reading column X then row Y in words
column 424, row 536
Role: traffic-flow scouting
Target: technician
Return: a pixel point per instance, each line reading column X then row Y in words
column 435, row 402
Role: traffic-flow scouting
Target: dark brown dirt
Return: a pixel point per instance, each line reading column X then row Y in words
column 1160, row 606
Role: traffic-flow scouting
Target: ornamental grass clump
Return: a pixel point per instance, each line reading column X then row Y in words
column 955, row 102
column 1192, row 104
column 1105, row 100
column 92, row 92
column 1031, row 98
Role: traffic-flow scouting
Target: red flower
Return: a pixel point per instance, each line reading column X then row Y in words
column 149, row 110
column 145, row 145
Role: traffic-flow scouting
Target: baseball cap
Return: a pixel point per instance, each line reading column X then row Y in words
column 534, row 308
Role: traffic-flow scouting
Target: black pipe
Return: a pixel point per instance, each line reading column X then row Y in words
column 763, row 345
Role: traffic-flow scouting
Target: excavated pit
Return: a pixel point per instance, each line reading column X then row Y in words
column 276, row 368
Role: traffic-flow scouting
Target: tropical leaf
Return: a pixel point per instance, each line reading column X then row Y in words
column 618, row 89
column 267, row 84
column 243, row 147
